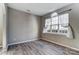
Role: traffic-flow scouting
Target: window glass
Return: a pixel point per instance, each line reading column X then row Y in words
column 54, row 27
column 64, row 19
column 48, row 22
column 54, row 20
column 54, row 14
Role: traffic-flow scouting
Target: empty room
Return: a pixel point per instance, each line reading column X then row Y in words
column 39, row 28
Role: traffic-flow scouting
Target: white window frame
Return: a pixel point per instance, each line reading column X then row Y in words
column 58, row 31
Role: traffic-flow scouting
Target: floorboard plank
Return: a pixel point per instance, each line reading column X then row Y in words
column 38, row 47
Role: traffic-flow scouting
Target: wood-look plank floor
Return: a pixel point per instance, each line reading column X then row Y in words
column 38, row 47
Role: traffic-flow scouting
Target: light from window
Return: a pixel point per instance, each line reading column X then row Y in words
column 54, row 14
column 54, row 23
column 47, row 26
column 63, row 22
column 57, row 23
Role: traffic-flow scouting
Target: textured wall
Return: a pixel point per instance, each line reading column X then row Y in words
column 74, row 21
column 22, row 27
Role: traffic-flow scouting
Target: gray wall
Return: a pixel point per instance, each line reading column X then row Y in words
column 74, row 21
column 22, row 27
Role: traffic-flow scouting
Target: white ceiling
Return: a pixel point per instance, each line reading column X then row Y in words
column 37, row 8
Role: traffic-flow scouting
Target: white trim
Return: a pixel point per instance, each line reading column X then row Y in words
column 22, row 42
column 4, row 43
column 76, row 49
column 55, row 33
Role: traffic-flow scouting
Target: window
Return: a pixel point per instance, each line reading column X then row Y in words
column 54, row 23
column 47, row 25
column 57, row 23
column 63, row 22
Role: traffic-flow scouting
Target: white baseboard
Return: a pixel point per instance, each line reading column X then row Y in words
column 76, row 49
column 22, row 42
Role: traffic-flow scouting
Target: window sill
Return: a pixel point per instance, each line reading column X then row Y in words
column 58, row 33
